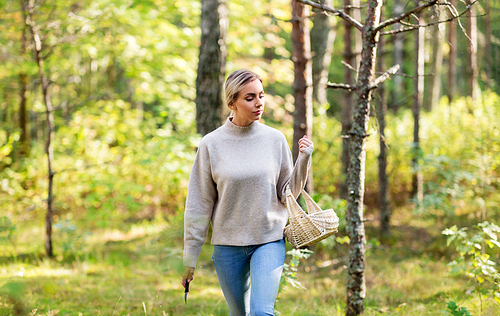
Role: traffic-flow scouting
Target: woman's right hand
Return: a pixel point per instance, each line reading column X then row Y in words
column 187, row 276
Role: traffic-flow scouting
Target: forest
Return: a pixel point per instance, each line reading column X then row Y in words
column 104, row 103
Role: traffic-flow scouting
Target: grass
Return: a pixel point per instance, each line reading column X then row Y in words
column 126, row 273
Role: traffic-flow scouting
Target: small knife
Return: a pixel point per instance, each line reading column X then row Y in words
column 186, row 291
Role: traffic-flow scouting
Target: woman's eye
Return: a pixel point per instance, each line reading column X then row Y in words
column 249, row 99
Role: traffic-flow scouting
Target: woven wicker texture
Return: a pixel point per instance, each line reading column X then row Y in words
column 308, row 228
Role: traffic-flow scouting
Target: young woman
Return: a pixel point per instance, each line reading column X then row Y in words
column 238, row 184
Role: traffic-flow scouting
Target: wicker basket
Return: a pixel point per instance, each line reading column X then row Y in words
column 308, row 228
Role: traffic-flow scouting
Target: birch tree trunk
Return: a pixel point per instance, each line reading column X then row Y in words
column 356, row 287
column 302, row 85
column 398, row 92
column 322, row 38
column 383, row 180
column 211, row 66
column 347, row 102
column 487, row 44
column 417, row 182
column 28, row 10
column 472, row 70
column 452, row 58
column 437, row 65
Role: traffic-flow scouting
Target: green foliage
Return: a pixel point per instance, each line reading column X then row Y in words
column 69, row 239
column 473, row 260
column 289, row 275
column 454, row 310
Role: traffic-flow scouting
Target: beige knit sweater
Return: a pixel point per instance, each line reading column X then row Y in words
column 238, row 183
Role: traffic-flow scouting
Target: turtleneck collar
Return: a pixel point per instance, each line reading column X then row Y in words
column 241, row 130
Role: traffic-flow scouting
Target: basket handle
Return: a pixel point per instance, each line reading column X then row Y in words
column 312, row 206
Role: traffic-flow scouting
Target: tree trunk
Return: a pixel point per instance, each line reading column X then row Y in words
column 322, row 38
column 452, row 58
column 302, row 85
column 28, row 9
column 472, row 70
column 356, row 288
column 397, row 93
column 417, row 185
column 382, row 158
column 23, row 110
column 487, row 44
column 437, row 65
column 358, row 39
column 211, row 65
column 347, row 103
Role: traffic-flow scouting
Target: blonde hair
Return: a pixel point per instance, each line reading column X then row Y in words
column 236, row 81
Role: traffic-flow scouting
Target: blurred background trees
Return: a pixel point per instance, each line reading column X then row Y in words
column 122, row 79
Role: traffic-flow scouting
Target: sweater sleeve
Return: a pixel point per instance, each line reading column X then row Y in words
column 200, row 201
column 295, row 177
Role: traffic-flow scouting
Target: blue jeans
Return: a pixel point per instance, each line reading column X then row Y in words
column 259, row 266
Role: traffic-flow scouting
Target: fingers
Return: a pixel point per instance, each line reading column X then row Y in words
column 304, row 143
column 187, row 276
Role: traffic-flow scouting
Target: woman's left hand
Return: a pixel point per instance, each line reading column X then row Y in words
column 304, row 143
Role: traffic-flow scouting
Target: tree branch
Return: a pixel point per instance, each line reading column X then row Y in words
column 414, row 27
column 384, row 76
column 340, row 13
column 404, row 15
column 341, row 86
column 349, row 66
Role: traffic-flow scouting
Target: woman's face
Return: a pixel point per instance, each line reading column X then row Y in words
column 249, row 105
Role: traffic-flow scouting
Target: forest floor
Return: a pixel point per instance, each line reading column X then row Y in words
column 124, row 272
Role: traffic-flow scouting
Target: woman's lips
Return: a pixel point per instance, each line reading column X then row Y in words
column 258, row 112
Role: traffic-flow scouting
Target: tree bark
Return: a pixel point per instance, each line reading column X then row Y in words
column 356, row 287
column 472, row 70
column 23, row 99
column 322, row 38
column 347, row 103
column 28, row 9
column 302, row 85
column 452, row 58
column 417, row 185
column 398, row 92
column 382, row 158
column 487, row 44
column 437, row 65
column 358, row 39
column 211, row 65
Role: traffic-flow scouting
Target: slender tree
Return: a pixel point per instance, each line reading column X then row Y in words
column 23, row 100
column 452, row 58
column 322, row 38
column 302, row 85
column 472, row 69
column 211, row 65
column 383, row 179
column 34, row 28
column 437, row 64
column 366, row 82
column 397, row 93
column 487, row 44
column 418, row 96
column 347, row 100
